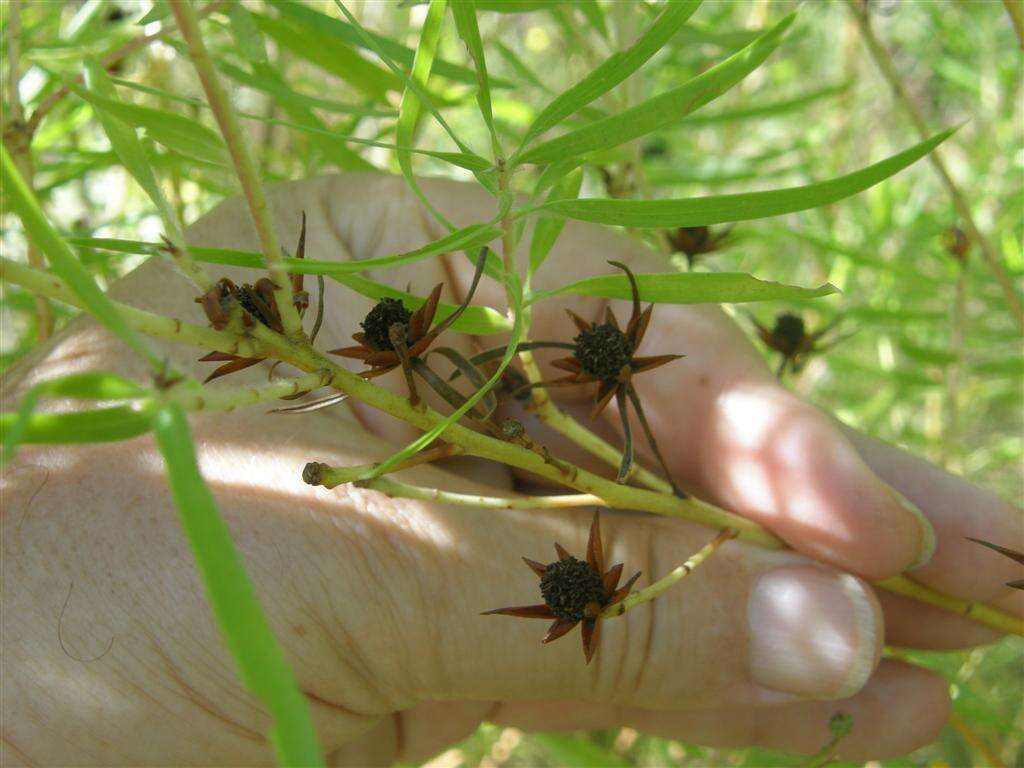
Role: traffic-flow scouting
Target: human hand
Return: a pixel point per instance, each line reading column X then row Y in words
column 376, row 601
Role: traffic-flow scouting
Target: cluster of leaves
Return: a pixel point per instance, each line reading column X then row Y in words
column 642, row 134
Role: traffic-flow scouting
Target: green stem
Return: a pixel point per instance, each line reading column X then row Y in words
column 673, row 577
column 473, row 443
column 158, row 326
column 214, row 399
column 399, row 490
column 245, row 166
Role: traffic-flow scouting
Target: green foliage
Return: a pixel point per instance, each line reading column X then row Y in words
column 578, row 89
column 232, row 597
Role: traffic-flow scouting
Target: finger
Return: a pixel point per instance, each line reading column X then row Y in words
column 798, row 727
column 957, row 509
column 731, row 433
column 798, row 629
column 912, row 624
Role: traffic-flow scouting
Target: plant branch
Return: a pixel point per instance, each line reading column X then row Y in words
column 158, row 326
column 399, row 490
column 19, row 142
column 678, row 574
column 885, row 65
column 224, row 399
column 244, row 164
column 271, row 344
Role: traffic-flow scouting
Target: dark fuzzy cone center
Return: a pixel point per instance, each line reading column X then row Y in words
column 789, row 329
column 379, row 321
column 568, row 586
column 246, row 297
column 603, row 350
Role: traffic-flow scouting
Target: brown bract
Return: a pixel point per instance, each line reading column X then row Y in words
column 605, row 354
column 790, row 337
column 393, row 337
column 258, row 305
column 695, row 241
column 574, row 591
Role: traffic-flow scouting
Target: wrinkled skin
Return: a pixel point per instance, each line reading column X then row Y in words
column 376, row 601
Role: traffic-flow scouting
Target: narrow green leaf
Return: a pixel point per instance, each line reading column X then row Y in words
column 659, row 111
column 771, row 109
column 547, row 228
column 82, row 386
column 174, row 131
column 614, row 70
column 464, row 12
column 717, row 209
column 476, row 319
column 246, row 34
column 261, row 661
column 129, row 149
column 329, row 54
column 421, row 93
column 688, row 288
column 62, row 259
column 409, row 109
column 250, row 42
column 347, row 33
column 467, row 238
column 103, row 425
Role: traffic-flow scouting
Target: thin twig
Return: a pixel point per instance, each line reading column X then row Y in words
column 988, row 251
column 399, row 490
column 678, row 574
column 158, row 326
column 19, row 144
column 245, row 166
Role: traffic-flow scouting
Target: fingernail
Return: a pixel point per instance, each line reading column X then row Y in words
column 927, row 532
column 814, row 633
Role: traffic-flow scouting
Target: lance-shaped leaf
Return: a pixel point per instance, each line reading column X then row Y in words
column 701, row 211
column 615, row 69
column 688, row 288
column 464, row 12
column 659, row 111
column 259, row 657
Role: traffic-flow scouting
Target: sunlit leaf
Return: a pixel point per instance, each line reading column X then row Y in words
column 261, row 662
column 687, row 288
column 615, row 69
column 662, row 110
column 699, row 211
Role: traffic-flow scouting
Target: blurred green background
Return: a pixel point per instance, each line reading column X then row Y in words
column 935, row 363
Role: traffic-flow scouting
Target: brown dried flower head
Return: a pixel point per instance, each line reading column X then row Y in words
column 574, row 591
column 606, row 354
column 259, row 305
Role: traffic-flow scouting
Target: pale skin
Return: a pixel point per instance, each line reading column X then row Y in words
column 376, row 601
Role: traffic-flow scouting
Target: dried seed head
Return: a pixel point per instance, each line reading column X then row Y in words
column 789, row 329
column 569, row 586
column 603, row 350
column 379, row 320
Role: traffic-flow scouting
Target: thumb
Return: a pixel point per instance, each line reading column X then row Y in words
column 745, row 627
